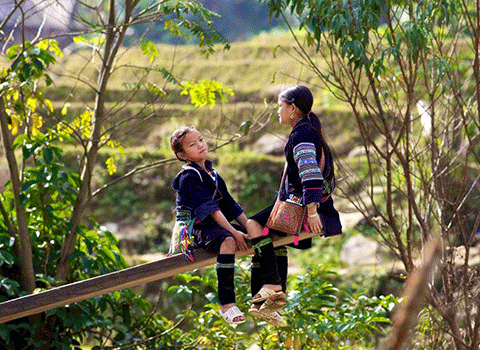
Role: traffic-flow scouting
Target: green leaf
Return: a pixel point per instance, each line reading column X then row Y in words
column 245, row 127
column 48, row 80
column 6, row 258
column 47, row 155
column 149, row 49
column 28, row 185
column 5, row 333
column 79, row 39
column 29, row 149
column 86, row 265
column 19, row 141
column 23, row 198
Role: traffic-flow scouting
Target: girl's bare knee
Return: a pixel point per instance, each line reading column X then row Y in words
column 254, row 229
column 228, row 246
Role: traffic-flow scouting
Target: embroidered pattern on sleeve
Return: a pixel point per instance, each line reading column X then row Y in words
column 305, row 157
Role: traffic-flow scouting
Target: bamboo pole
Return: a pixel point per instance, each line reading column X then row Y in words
column 118, row 280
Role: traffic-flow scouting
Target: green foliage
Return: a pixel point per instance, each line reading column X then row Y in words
column 320, row 316
column 121, row 318
column 200, row 26
column 29, row 62
column 352, row 24
column 252, row 178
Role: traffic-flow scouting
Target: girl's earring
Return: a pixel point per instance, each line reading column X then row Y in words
column 292, row 116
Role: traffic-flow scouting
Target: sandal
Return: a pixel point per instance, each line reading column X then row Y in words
column 269, row 294
column 231, row 314
column 272, row 317
column 274, row 304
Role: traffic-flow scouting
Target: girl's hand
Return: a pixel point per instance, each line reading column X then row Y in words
column 241, row 240
column 314, row 223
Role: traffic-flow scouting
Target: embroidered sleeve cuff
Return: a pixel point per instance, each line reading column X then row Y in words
column 205, row 210
column 305, row 157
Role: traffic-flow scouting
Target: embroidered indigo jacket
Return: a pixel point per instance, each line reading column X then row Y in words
column 197, row 192
column 303, row 152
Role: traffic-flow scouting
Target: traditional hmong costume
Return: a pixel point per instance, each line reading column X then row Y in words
column 200, row 194
column 304, row 184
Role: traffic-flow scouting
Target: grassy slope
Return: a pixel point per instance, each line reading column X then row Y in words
column 251, row 69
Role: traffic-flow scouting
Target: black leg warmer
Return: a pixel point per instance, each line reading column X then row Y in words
column 263, row 247
column 256, row 278
column 282, row 263
column 225, row 270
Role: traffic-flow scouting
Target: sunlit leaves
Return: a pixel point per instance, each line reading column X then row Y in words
column 29, row 62
column 79, row 40
column 50, row 45
column 149, row 49
column 111, row 167
column 21, row 96
column 204, row 92
column 117, row 149
column 81, row 126
column 156, row 90
column 14, row 124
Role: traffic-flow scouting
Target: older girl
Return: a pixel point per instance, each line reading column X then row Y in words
column 310, row 179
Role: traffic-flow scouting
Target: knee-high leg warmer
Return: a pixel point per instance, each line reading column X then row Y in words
column 225, row 270
column 263, row 247
column 256, row 278
column 282, row 263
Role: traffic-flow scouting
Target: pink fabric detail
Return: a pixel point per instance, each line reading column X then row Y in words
column 295, row 240
column 265, row 231
column 305, row 226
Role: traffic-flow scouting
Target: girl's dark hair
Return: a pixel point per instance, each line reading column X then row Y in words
column 302, row 97
column 177, row 137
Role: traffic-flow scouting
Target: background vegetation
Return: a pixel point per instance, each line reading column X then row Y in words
column 85, row 140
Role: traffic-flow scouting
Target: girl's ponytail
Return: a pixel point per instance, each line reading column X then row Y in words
column 315, row 122
column 328, row 171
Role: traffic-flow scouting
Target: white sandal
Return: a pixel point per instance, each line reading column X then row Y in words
column 231, row 314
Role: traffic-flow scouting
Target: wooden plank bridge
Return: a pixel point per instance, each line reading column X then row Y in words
column 137, row 275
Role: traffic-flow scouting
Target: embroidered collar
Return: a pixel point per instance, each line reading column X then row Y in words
column 208, row 165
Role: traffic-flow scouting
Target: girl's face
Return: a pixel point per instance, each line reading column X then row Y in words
column 285, row 110
column 194, row 147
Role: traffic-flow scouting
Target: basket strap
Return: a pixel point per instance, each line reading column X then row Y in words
column 284, row 175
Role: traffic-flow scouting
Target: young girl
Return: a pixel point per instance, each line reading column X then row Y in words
column 202, row 193
column 310, row 179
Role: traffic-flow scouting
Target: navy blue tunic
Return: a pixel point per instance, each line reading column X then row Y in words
column 200, row 194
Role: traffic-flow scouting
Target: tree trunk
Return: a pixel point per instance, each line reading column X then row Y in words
column 22, row 241
column 114, row 38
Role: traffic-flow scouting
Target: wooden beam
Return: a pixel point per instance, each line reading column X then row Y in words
column 127, row 278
